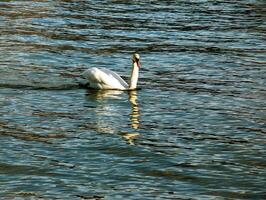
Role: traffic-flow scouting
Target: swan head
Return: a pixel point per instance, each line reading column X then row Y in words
column 136, row 59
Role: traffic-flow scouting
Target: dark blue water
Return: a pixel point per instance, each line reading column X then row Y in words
column 195, row 130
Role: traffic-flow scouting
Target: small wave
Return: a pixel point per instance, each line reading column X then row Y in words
column 42, row 86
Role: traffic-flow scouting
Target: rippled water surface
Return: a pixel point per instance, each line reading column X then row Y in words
column 195, row 130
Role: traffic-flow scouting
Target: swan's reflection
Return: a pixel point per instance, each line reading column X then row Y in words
column 106, row 111
column 102, row 94
column 103, row 111
column 135, row 111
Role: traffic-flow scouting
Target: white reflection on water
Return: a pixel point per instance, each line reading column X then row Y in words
column 104, row 94
column 135, row 113
column 106, row 109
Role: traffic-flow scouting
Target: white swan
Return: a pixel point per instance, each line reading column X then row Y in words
column 102, row 78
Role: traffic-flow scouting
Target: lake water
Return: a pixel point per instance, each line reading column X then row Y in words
column 195, row 130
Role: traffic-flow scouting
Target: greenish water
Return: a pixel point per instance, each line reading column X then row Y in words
column 195, row 130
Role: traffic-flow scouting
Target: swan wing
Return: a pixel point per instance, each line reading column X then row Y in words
column 102, row 78
column 116, row 76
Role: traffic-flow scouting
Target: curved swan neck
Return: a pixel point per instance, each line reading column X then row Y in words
column 134, row 76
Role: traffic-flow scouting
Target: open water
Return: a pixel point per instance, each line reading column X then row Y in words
column 195, row 130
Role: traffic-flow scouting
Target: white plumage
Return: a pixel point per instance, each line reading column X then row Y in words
column 102, row 78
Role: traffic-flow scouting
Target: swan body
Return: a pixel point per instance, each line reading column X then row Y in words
column 105, row 79
column 102, row 78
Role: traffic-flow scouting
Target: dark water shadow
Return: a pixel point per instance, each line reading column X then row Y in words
column 16, row 131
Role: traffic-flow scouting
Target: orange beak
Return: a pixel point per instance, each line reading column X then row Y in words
column 138, row 63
